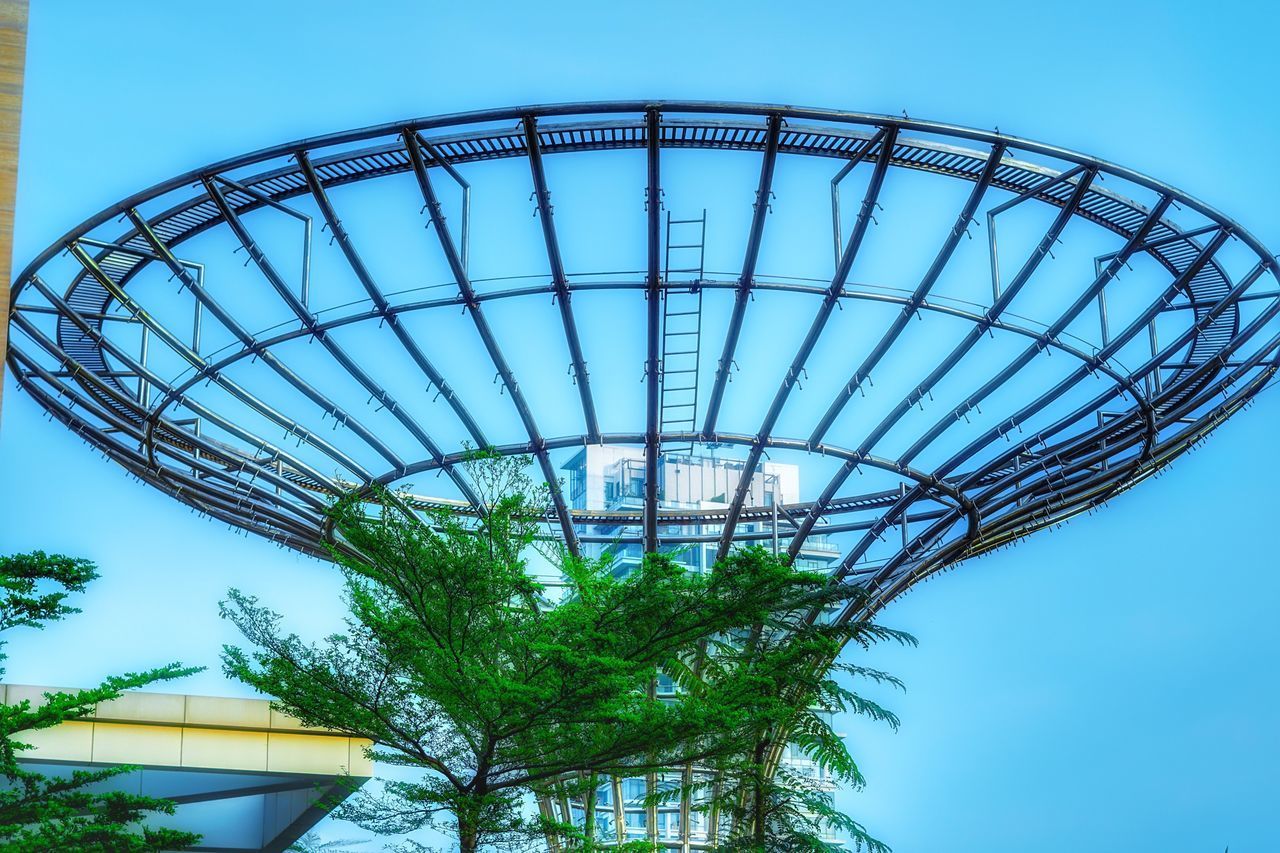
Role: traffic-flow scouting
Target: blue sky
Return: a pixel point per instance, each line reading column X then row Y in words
column 1106, row 686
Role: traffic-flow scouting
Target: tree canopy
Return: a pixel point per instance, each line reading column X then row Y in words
column 71, row 811
column 457, row 662
column 756, row 802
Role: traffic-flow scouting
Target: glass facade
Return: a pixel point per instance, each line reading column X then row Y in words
column 611, row 478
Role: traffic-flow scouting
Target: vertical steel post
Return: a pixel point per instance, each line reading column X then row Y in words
column 995, row 258
column 902, row 523
column 1102, row 317
column 835, row 208
column 466, row 228
column 144, row 387
column 195, row 327
column 653, row 293
column 1154, row 375
column 305, row 289
column 775, row 520
column 444, row 163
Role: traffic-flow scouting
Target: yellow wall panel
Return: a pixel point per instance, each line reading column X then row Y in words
column 232, row 713
column 65, row 742
column 147, row 707
column 223, row 750
column 35, row 695
column 359, row 764
column 280, row 720
column 290, row 753
column 122, row 743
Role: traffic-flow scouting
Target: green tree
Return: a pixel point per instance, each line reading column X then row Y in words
column 454, row 662
column 792, row 663
column 68, row 812
column 311, row 843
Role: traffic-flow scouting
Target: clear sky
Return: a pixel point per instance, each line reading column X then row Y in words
column 1108, row 686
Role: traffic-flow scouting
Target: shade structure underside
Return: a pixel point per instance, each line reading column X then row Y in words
column 940, row 338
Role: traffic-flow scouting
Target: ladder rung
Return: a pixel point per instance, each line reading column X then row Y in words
column 682, row 416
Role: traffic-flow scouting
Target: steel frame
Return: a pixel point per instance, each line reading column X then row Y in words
column 885, row 140
column 653, row 314
column 1145, row 415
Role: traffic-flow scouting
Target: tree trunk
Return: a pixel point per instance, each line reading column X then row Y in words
column 759, row 806
column 468, row 836
column 469, row 814
column 589, row 808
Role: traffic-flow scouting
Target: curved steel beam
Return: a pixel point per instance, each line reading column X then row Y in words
column 126, row 404
column 308, row 320
column 203, row 369
column 558, row 279
column 178, row 393
column 764, row 188
column 971, row 338
column 1117, row 343
column 380, row 303
column 886, row 139
column 538, row 445
column 1084, row 300
column 912, row 306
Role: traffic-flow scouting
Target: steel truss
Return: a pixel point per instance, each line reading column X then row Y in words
column 975, row 500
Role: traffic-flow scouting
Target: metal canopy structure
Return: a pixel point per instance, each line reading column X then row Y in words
column 1090, row 384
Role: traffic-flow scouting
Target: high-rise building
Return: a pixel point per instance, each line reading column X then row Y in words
column 610, row 478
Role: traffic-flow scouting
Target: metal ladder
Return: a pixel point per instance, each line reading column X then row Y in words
column 682, row 327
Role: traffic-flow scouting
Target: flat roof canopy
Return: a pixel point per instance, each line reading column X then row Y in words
column 244, row 776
